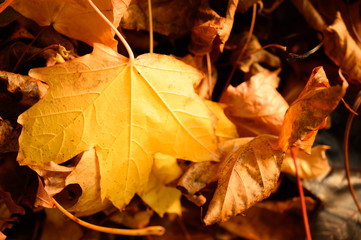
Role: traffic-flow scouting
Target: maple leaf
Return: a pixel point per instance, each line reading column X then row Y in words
column 245, row 177
column 76, row 19
column 126, row 112
column 309, row 111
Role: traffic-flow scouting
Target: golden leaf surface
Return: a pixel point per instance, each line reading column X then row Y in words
column 160, row 197
column 127, row 113
column 309, row 165
column 75, row 19
column 246, row 176
column 309, row 111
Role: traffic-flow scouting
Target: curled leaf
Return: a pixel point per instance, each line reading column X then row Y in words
column 309, row 111
column 245, row 177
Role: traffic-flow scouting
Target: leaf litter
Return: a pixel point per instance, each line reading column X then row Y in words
column 92, row 152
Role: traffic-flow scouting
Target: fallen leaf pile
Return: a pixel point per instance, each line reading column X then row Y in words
column 156, row 138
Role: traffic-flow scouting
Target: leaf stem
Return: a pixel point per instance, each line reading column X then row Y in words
column 150, row 15
column 153, row 230
column 209, row 73
column 120, row 36
column 254, row 13
column 302, row 198
column 345, row 148
column 5, row 5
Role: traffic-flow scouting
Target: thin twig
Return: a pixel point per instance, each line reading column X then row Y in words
column 150, row 15
column 153, row 230
column 345, row 148
column 120, row 36
column 27, row 49
column 243, row 49
column 209, row 71
column 302, row 198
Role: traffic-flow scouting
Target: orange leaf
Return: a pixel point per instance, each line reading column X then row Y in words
column 308, row 112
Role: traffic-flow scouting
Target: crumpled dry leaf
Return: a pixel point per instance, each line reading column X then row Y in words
column 199, row 175
column 256, row 105
column 31, row 89
column 245, row 177
column 5, row 132
column 172, row 18
column 211, row 31
column 309, row 111
column 161, row 117
column 255, row 58
column 76, row 19
column 342, row 48
column 339, row 43
column 54, row 176
column 309, row 165
column 160, row 197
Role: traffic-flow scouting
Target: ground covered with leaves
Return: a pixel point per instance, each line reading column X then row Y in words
column 212, row 120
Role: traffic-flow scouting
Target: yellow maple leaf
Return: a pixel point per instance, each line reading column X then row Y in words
column 126, row 112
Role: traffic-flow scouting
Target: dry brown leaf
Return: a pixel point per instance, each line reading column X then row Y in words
column 255, row 58
column 309, row 111
column 199, row 175
column 31, row 89
column 245, row 177
column 340, row 42
column 255, row 105
column 309, row 165
column 54, row 176
column 171, row 18
column 76, row 19
column 209, row 25
column 342, row 48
